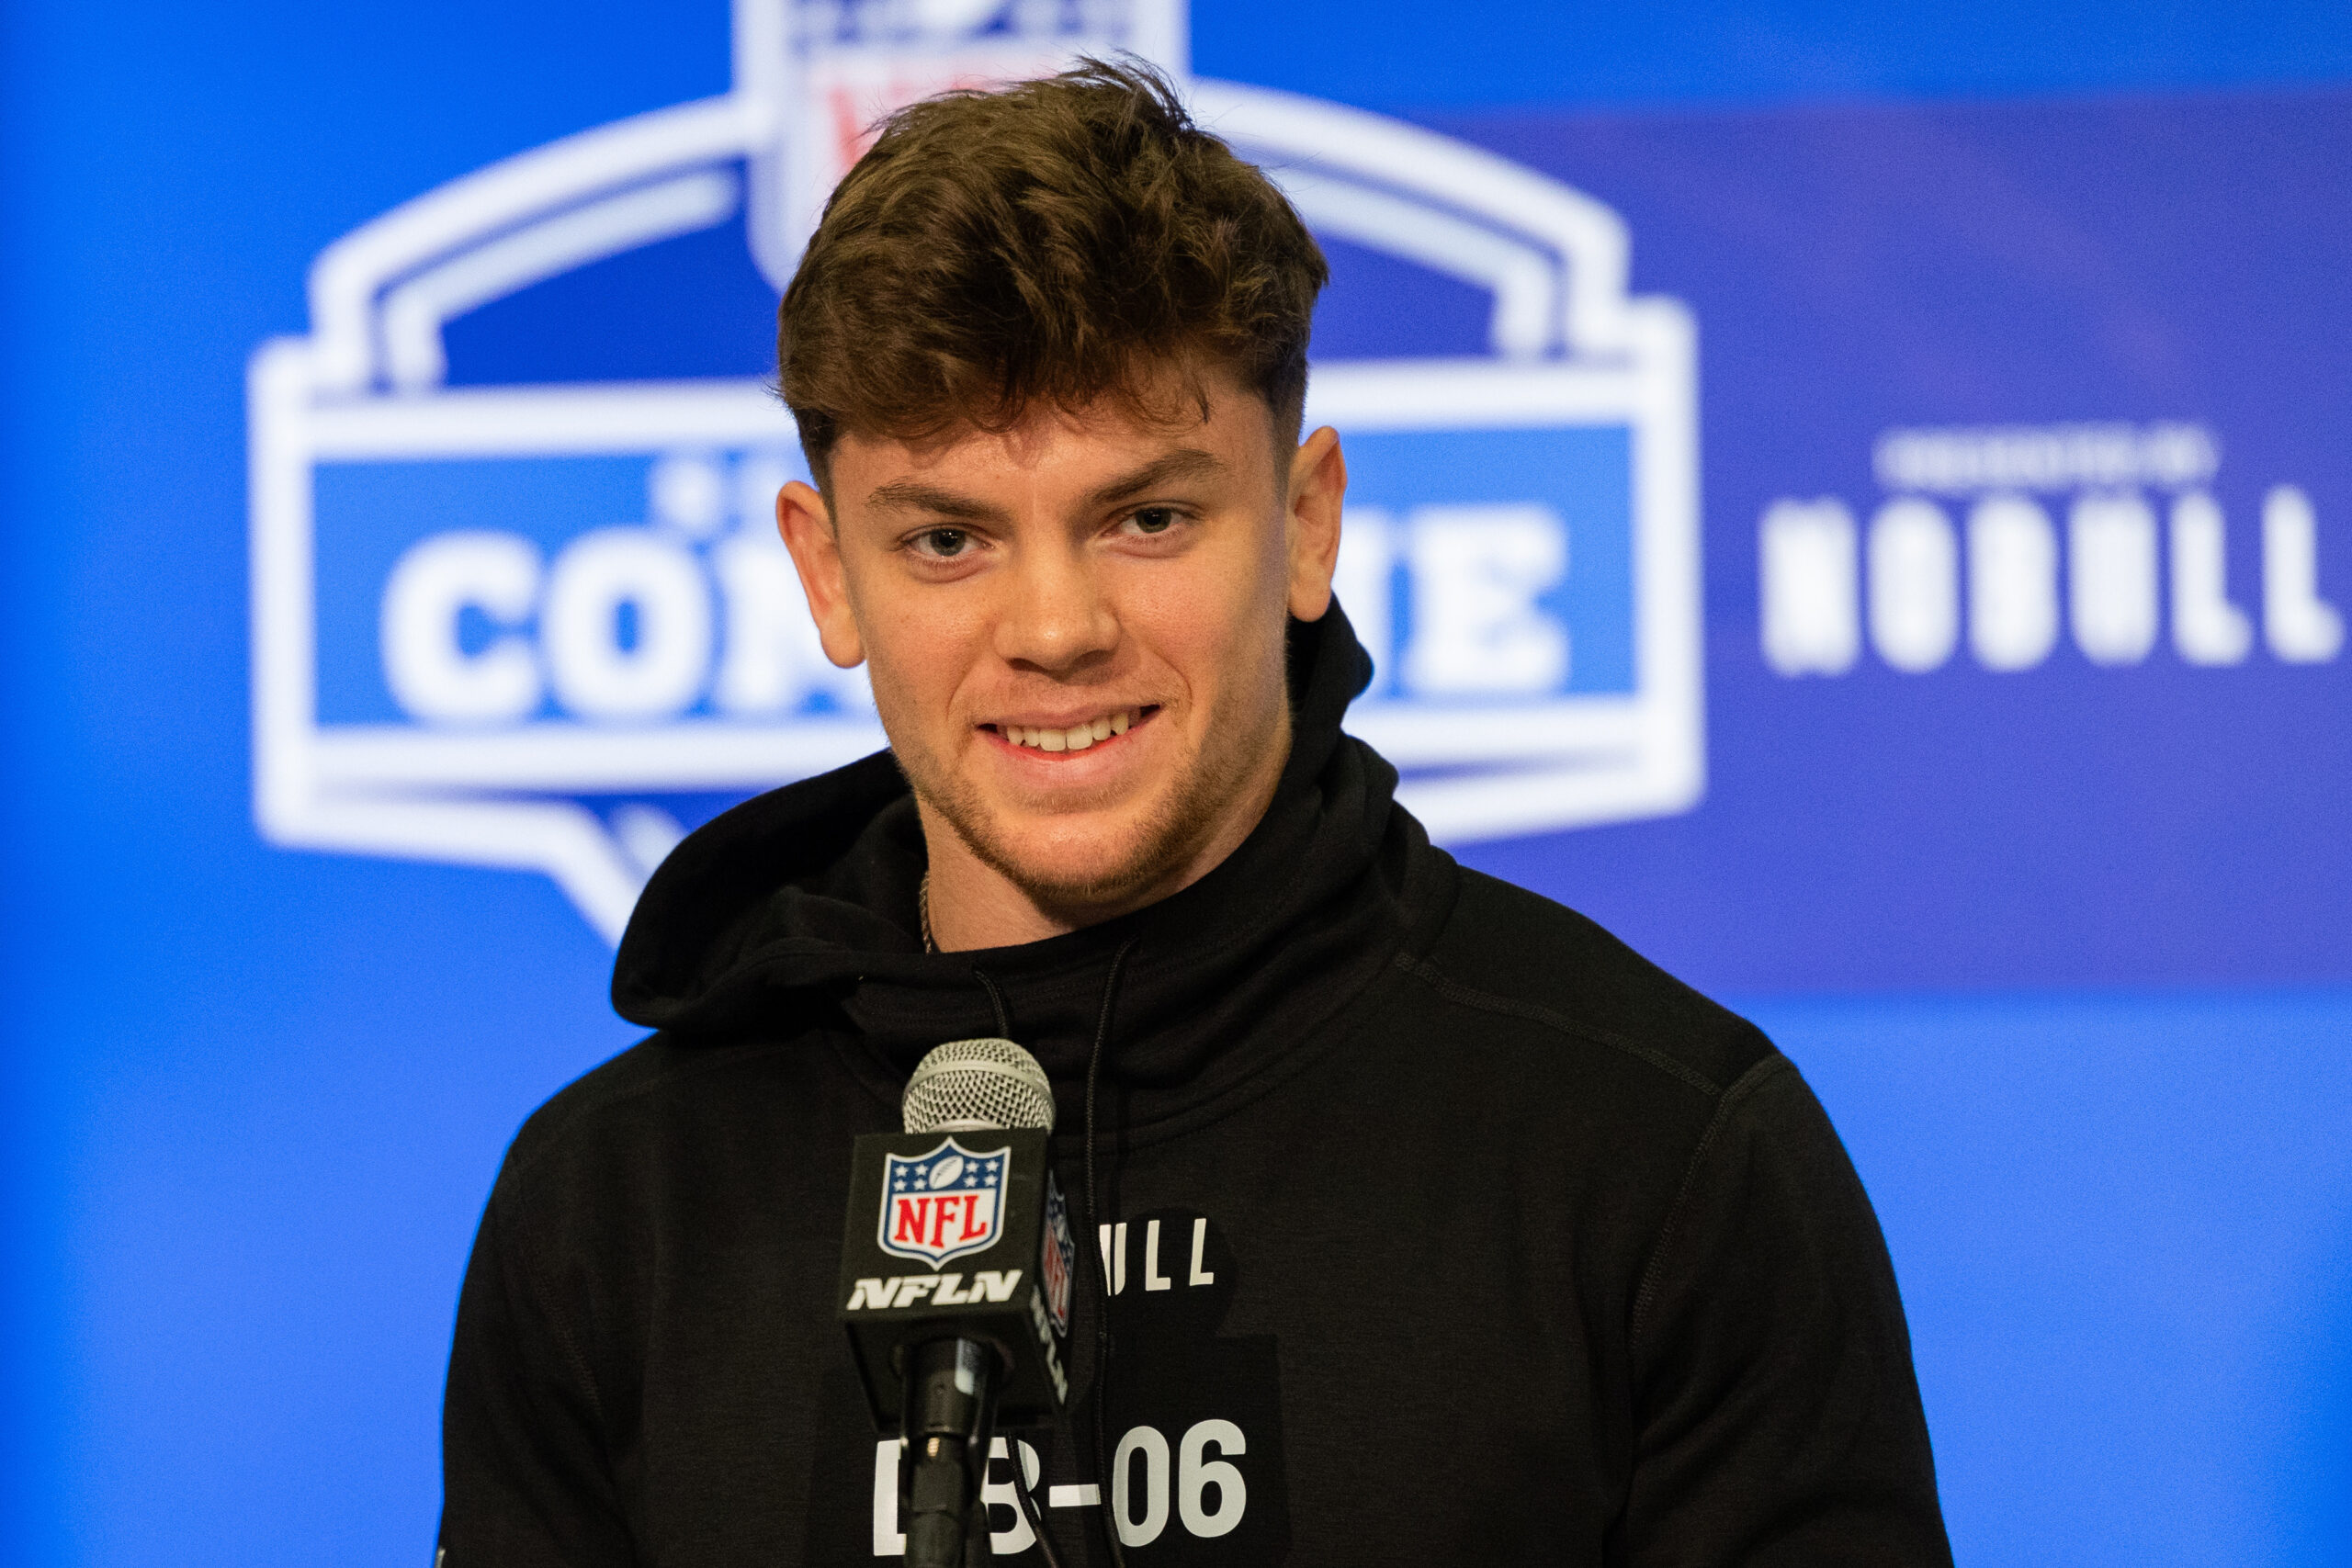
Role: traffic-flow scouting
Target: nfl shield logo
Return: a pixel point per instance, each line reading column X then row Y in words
column 943, row 1204
column 1058, row 1260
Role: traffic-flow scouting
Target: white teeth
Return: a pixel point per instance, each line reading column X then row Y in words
column 1078, row 736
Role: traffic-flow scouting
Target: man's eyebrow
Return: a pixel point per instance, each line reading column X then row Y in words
column 911, row 495
column 1184, row 463
column 908, row 495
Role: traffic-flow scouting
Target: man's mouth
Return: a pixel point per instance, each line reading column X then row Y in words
column 1075, row 736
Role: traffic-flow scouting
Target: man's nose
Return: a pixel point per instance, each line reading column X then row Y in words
column 1054, row 614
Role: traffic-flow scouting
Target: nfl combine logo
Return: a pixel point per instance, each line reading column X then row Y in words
column 943, row 1204
column 507, row 619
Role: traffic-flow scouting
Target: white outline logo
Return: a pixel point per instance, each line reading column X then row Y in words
column 1571, row 352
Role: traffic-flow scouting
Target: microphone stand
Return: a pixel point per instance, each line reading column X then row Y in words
column 949, row 1423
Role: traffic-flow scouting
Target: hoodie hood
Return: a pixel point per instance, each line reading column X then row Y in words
column 796, row 911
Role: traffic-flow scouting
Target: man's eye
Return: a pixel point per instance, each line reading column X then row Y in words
column 1154, row 520
column 945, row 541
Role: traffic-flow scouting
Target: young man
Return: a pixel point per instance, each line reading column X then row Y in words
column 1436, row 1226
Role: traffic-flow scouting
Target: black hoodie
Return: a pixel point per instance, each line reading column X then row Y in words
column 1437, row 1226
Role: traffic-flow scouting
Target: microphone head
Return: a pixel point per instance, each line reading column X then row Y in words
column 979, row 1085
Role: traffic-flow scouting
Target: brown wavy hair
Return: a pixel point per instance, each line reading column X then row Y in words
column 1058, row 241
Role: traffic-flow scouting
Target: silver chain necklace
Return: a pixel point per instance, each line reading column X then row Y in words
column 922, row 911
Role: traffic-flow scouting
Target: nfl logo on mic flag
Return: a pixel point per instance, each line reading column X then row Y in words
column 942, row 1238
column 943, row 1204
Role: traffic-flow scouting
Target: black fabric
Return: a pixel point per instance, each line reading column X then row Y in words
column 1442, row 1227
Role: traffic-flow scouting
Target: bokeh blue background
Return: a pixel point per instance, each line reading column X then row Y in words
column 254, row 1099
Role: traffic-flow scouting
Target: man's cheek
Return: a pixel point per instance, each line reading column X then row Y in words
column 900, row 698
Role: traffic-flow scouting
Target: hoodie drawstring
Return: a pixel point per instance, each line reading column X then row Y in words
column 1097, row 1276
column 996, row 1000
column 1024, row 1500
column 1101, row 1274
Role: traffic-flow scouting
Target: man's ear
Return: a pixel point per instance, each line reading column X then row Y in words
column 1318, row 483
column 807, row 525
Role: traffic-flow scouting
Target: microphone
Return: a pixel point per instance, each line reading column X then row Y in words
column 942, row 1361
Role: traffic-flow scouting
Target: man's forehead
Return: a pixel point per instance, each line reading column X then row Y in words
column 1101, row 453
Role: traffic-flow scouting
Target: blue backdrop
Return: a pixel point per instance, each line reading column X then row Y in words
column 2039, row 863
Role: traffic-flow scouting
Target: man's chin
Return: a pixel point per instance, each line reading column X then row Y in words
column 1083, row 862
column 1082, row 871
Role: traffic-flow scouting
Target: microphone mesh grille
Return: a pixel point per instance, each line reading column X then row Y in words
column 977, row 1084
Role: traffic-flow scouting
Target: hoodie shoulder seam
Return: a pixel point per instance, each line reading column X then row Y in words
column 533, row 1283
column 553, row 1137
column 1550, row 1017
column 1739, row 1094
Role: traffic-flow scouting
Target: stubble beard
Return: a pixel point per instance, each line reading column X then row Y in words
column 1162, row 846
